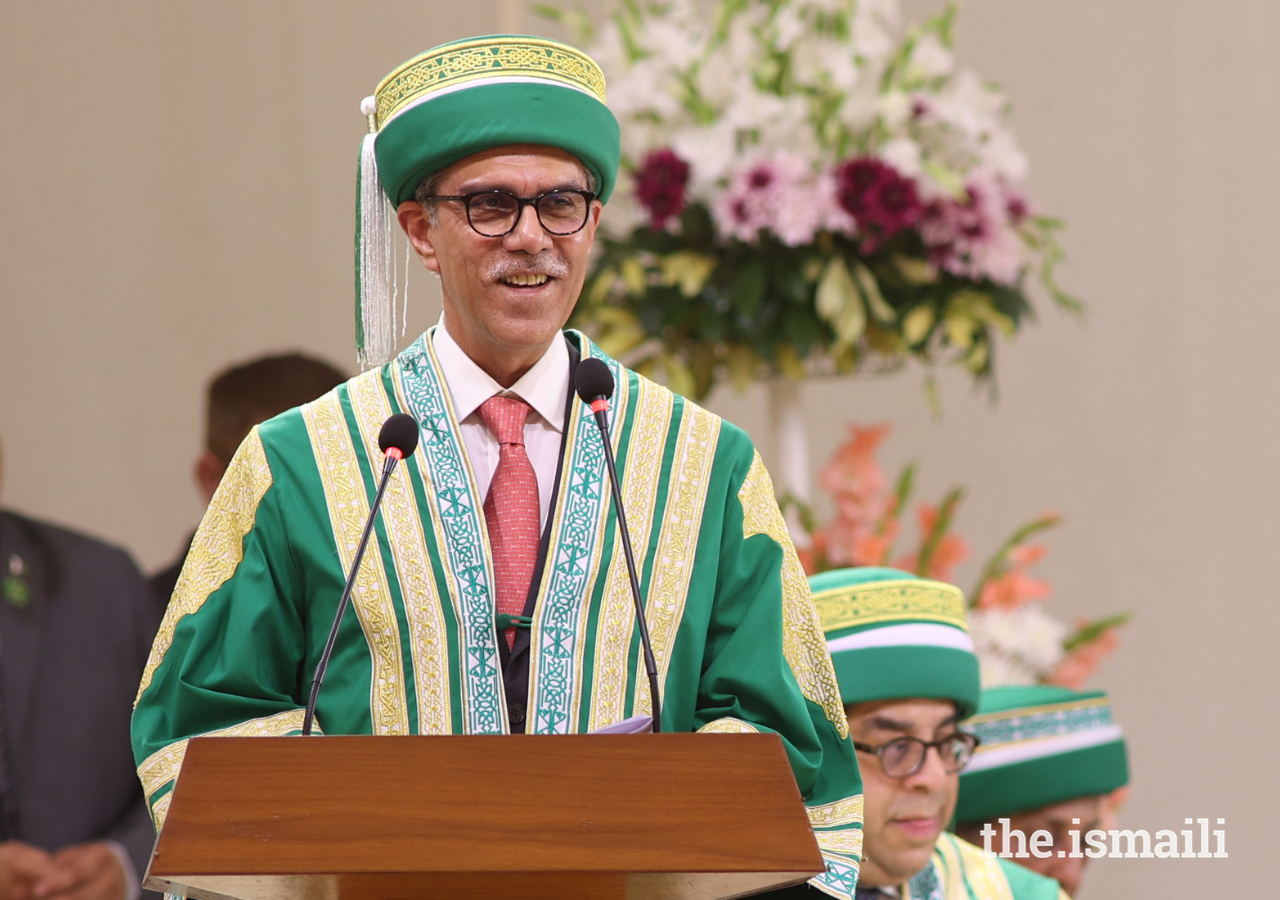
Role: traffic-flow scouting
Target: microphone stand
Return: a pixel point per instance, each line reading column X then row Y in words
column 393, row 455
column 600, row 407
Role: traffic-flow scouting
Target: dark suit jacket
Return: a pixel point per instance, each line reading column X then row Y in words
column 71, row 661
column 164, row 581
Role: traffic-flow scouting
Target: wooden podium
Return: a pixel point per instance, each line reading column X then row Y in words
column 575, row 817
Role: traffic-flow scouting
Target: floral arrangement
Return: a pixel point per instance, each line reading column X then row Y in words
column 1016, row 640
column 807, row 188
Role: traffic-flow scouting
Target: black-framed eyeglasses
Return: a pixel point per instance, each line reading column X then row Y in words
column 495, row 213
column 903, row 757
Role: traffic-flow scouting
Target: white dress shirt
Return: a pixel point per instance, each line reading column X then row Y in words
column 544, row 387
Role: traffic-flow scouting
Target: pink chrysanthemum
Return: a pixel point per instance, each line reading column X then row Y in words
column 972, row 237
column 780, row 194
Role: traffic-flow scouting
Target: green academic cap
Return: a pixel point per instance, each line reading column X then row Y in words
column 1040, row 745
column 896, row 636
column 453, row 101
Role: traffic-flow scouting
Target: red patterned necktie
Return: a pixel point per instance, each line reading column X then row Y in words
column 511, row 508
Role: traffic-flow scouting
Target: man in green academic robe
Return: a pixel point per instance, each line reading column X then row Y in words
column 908, row 675
column 1043, row 779
column 497, row 155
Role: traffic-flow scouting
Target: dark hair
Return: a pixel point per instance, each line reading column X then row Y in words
column 242, row 396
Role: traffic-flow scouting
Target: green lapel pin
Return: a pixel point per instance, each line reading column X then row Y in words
column 17, row 593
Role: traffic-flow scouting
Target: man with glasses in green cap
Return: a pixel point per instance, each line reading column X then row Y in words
column 1048, row 760
column 495, row 597
column 908, row 675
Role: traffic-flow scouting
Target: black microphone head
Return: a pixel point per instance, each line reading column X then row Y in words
column 593, row 380
column 399, row 431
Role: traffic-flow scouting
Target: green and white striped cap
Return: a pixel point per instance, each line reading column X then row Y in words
column 1040, row 745
column 449, row 103
column 895, row 636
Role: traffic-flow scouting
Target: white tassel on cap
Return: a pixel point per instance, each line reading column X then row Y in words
column 375, row 257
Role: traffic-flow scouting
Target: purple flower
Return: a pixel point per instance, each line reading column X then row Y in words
column 660, row 186
column 882, row 201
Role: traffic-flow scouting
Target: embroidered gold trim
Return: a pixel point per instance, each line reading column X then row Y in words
column 678, row 542
column 161, row 810
column 845, row 843
column 1024, row 712
column 640, row 485
column 986, row 878
column 622, row 403
column 403, row 521
column 728, row 725
column 218, row 547
column 803, row 643
column 163, row 766
column 886, row 601
column 833, row 815
column 348, row 505
column 501, row 57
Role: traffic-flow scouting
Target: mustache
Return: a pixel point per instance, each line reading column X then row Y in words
column 544, row 262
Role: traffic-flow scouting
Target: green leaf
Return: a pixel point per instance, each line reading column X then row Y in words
column 960, row 328
column 703, row 367
column 918, row 324
column 1053, row 254
column 696, row 226
column 870, row 288
column 914, row 271
column 599, row 287
column 788, row 361
column 933, row 396
column 839, row 303
column 633, row 276
column 689, row 270
column 997, row 565
column 743, row 364
column 746, row 289
column 1091, row 631
column 679, row 377
column 978, row 357
column 946, row 512
column 947, row 178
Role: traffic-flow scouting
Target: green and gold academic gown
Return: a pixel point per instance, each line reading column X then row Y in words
column 738, row 643
column 960, row 871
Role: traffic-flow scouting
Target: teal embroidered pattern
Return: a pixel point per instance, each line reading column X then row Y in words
column 925, row 885
column 1047, row 723
column 841, row 876
column 581, row 512
column 455, row 508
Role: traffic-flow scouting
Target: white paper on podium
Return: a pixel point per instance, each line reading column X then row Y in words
column 633, row 725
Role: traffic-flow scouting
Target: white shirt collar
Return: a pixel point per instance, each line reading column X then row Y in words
column 544, row 387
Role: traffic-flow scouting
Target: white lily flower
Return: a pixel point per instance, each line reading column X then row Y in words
column 929, row 58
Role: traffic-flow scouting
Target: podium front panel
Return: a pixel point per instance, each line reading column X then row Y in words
column 641, row 817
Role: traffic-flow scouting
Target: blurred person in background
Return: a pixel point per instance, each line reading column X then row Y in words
column 76, row 622
column 1050, row 759
column 237, row 399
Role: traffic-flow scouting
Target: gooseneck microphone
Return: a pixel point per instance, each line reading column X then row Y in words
column 397, row 440
column 594, row 383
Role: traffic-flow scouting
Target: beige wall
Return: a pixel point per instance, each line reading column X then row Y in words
column 176, row 193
